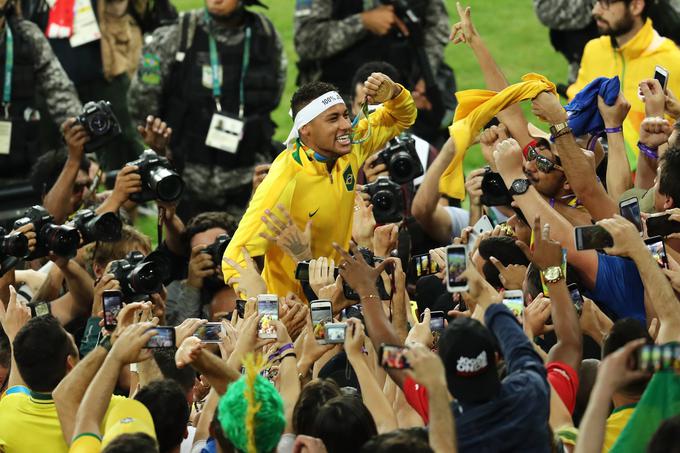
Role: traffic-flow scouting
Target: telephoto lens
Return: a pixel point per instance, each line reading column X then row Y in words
column 106, row 227
column 167, row 184
column 62, row 240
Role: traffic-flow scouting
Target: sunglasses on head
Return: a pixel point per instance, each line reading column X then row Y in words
column 543, row 164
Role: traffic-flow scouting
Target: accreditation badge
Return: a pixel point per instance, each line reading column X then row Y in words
column 5, row 136
column 225, row 133
column 207, row 77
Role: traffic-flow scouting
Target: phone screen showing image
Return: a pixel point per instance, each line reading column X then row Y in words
column 321, row 315
column 658, row 250
column 423, row 265
column 393, row 357
column 593, row 238
column 456, row 261
column 630, row 210
column 268, row 307
column 164, row 338
column 576, row 297
column 112, row 302
column 209, row 332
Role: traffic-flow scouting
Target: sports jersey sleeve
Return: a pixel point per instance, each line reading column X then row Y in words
column 277, row 188
column 386, row 122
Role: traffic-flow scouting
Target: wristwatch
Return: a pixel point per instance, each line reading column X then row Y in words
column 553, row 274
column 559, row 129
column 519, row 186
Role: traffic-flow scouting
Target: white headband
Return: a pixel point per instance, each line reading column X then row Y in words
column 311, row 111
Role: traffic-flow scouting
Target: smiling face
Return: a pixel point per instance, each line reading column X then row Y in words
column 330, row 133
column 547, row 183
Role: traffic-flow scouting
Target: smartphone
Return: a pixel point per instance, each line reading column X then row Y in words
column 392, row 356
column 335, row 332
column 576, row 297
column 661, row 225
column 456, row 263
column 422, row 265
column 661, row 74
column 322, row 314
column 514, row 300
column 112, row 300
column 436, row 321
column 268, row 307
column 241, row 308
column 483, row 225
column 209, row 332
column 40, row 309
column 630, row 210
column 657, row 248
column 657, row 357
column 164, row 338
column 302, row 271
column 592, row 237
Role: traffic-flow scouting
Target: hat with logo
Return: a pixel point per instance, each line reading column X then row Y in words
column 468, row 350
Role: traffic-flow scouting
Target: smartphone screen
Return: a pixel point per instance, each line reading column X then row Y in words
column 112, row 302
column 657, row 248
column 456, row 262
column 657, row 357
column 661, row 75
column 423, row 265
column 576, row 297
column 630, row 210
column 322, row 314
column 514, row 300
column 241, row 308
column 335, row 332
column 164, row 338
column 393, row 357
column 592, row 238
column 268, row 307
column 209, row 332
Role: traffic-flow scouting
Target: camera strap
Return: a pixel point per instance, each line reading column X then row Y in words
column 6, row 123
column 159, row 224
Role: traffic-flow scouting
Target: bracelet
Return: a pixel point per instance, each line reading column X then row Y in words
column 281, row 350
column 369, row 296
column 648, row 151
column 105, row 342
column 613, row 130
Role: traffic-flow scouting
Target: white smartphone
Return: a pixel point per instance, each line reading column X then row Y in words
column 483, row 225
column 661, row 74
column 514, row 300
column 322, row 314
column 456, row 263
column 268, row 306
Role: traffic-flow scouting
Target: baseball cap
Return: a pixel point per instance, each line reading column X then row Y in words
column 468, row 350
column 127, row 416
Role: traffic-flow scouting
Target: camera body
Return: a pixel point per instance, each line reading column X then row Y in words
column 159, row 181
column 401, row 159
column 139, row 275
column 12, row 248
column 100, row 122
column 106, row 227
column 216, row 249
column 63, row 240
column 494, row 191
column 387, row 200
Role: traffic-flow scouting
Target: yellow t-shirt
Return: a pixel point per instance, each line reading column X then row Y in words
column 29, row 424
column 615, row 424
column 309, row 191
column 86, row 443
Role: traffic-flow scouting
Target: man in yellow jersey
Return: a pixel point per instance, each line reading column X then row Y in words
column 631, row 49
column 314, row 178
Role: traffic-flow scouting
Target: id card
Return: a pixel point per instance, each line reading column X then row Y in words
column 85, row 27
column 207, row 78
column 225, row 133
column 5, row 136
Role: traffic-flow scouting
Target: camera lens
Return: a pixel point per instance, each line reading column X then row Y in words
column 383, row 200
column 145, row 279
column 167, row 184
column 63, row 240
column 98, row 123
column 14, row 245
column 107, row 227
column 401, row 167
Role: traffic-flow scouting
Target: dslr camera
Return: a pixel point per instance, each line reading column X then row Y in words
column 401, row 159
column 62, row 240
column 159, row 181
column 140, row 276
column 494, row 191
column 387, row 200
column 100, row 123
column 12, row 248
column 106, row 227
column 216, row 249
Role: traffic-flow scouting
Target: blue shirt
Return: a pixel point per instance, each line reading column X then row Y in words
column 618, row 287
column 517, row 418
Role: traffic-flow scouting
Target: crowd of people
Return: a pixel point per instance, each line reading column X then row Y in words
column 352, row 289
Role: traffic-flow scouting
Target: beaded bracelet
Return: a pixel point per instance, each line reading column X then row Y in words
column 648, row 151
column 613, row 130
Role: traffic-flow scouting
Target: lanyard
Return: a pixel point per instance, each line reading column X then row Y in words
column 9, row 65
column 215, row 65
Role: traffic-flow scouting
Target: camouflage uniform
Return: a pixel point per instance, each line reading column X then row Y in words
column 51, row 82
column 209, row 186
column 318, row 37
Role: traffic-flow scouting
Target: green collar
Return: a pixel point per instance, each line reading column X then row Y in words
column 40, row 396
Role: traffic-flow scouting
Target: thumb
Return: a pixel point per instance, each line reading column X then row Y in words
column 426, row 317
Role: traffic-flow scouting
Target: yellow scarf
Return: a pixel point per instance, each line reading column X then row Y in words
column 475, row 109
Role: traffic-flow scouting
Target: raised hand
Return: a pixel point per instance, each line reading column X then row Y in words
column 380, row 88
column 249, row 279
column 546, row 252
column 321, row 273
column 285, row 234
column 128, row 347
column 464, row 30
column 156, row 134
column 655, row 131
column 15, row 316
column 512, row 275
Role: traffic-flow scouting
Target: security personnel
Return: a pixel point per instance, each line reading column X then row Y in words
column 27, row 68
column 335, row 37
column 215, row 77
column 314, row 179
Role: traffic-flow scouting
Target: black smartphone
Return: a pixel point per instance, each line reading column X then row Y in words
column 40, row 309
column 392, row 356
column 494, row 190
column 112, row 300
column 657, row 248
column 576, row 298
column 302, row 271
column 630, row 210
column 164, row 338
column 661, row 225
column 592, row 237
column 661, row 74
column 657, row 357
column 422, row 265
column 209, row 332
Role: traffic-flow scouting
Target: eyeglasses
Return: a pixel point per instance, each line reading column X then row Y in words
column 543, row 164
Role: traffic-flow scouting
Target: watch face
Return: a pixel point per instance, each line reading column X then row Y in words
column 552, row 273
column 519, row 186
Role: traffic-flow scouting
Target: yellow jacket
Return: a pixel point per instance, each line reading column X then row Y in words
column 633, row 62
column 310, row 192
